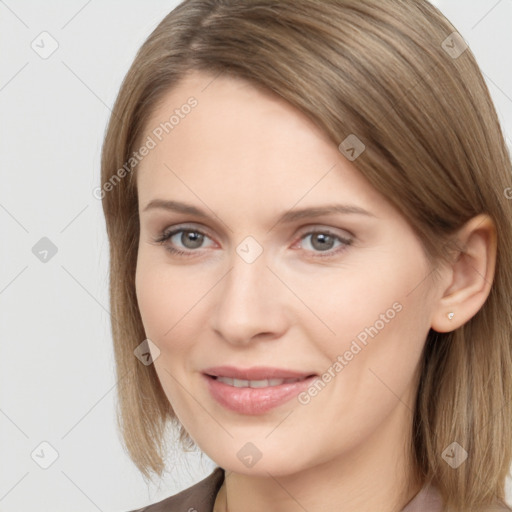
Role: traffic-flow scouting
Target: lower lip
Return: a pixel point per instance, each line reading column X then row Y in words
column 254, row 400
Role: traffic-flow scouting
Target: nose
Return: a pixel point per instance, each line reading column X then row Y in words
column 251, row 303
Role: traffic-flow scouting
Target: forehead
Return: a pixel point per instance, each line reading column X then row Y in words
column 243, row 142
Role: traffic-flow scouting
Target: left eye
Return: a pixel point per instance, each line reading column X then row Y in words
column 323, row 241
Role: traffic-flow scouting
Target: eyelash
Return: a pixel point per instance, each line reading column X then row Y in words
column 166, row 235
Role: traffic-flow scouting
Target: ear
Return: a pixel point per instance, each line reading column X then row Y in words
column 470, row 276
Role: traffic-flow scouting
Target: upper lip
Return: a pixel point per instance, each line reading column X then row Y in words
column 255, row 373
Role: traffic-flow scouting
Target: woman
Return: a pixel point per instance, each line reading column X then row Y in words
column 311, row 276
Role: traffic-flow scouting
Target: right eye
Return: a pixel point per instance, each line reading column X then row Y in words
column 190, row 239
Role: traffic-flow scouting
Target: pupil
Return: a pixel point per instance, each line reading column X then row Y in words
column 191, row 239
column 326, row 240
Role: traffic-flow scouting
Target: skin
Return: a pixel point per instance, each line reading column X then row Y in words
column 246, row 156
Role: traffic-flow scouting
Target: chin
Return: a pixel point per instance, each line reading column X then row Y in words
column 247, row 459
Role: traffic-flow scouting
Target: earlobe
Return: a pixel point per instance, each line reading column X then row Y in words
column 472, row 274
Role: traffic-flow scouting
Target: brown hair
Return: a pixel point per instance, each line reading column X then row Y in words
column 385, row 71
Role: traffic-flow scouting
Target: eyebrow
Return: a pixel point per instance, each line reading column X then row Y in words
column 287, row 217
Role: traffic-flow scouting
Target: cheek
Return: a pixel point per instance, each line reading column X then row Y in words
column 156, row 297
column 168, row 298
column 364, row 303
column 379, row 318
column 166, row 305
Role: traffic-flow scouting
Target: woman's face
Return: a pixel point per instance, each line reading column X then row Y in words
column 271, row 283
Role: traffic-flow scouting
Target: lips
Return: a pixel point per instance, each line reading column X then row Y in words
column 254, row 390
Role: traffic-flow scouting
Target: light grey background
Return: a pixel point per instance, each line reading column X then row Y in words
column 57, row 382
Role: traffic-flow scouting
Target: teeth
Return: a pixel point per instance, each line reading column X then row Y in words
column 239, row 383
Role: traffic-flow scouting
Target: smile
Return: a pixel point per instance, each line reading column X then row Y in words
column 254, row 391
column 240, row 383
